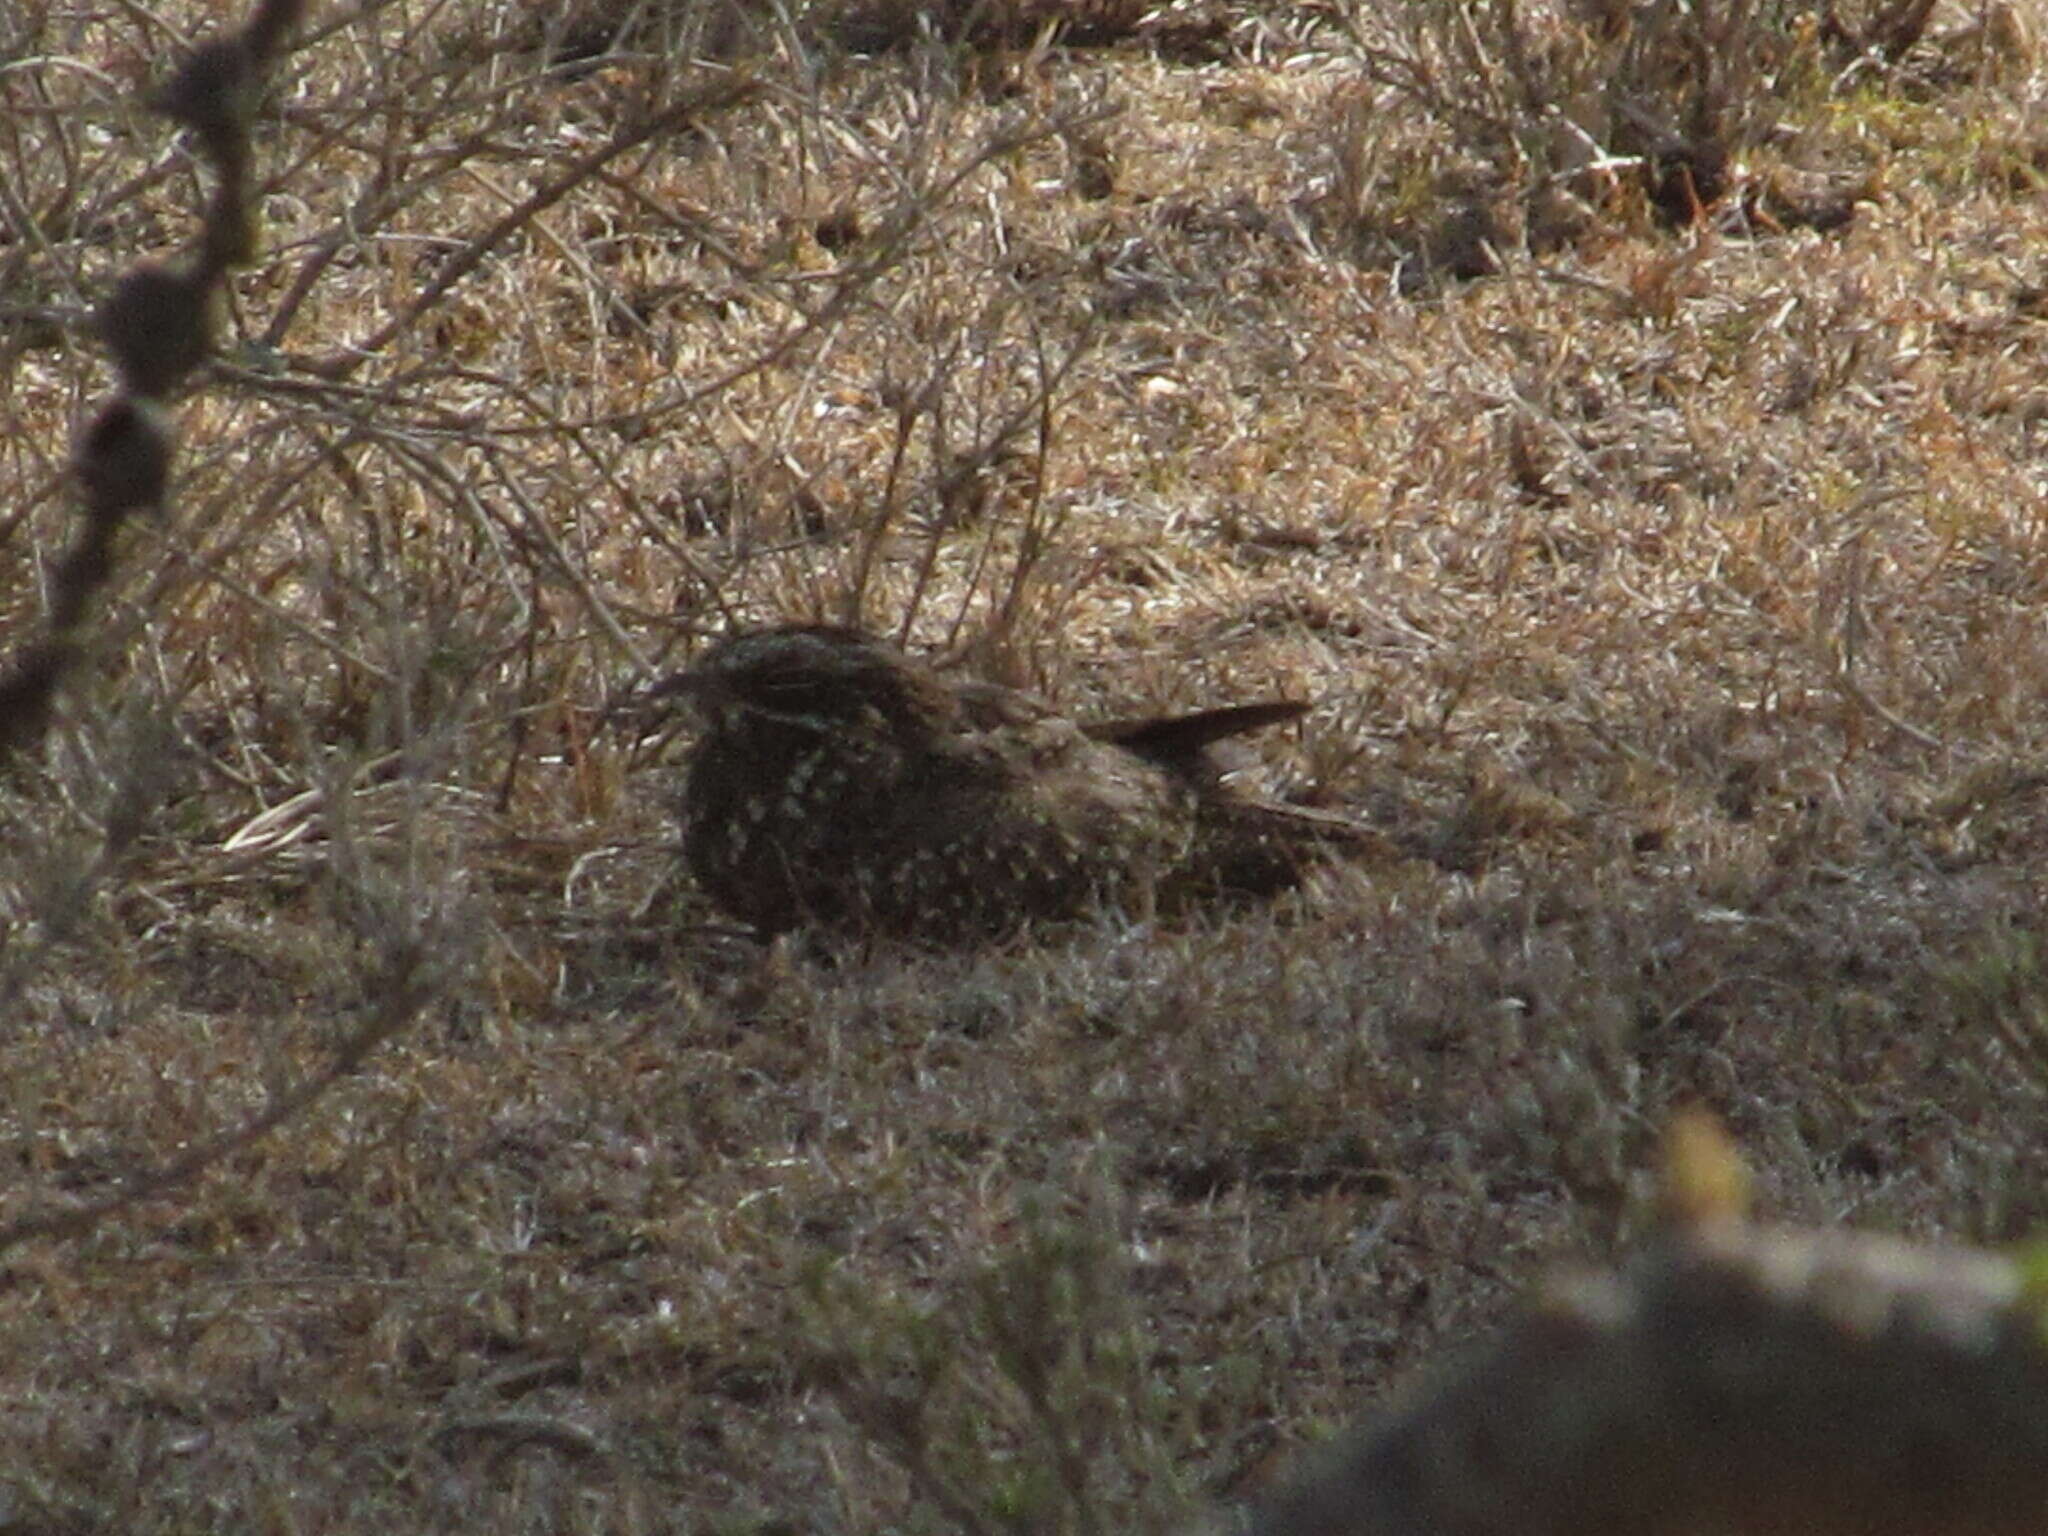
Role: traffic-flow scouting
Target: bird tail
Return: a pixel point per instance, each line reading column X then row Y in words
column 1175, row 736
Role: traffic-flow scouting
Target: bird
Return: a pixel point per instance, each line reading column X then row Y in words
column 839, row 783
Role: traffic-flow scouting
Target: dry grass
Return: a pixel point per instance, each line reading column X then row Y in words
column 1674, row 597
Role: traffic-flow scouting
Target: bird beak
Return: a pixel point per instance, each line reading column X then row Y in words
column 696, row 691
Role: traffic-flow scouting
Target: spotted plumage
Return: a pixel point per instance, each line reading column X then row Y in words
column 841, row 784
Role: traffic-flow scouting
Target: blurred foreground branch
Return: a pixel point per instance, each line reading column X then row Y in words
column 158, row 324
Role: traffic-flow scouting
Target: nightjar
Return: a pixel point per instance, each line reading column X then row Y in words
column 842, row 784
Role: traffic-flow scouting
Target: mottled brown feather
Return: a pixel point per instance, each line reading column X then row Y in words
column 840, row 783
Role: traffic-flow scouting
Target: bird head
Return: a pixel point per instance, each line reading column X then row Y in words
column 814, row 677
